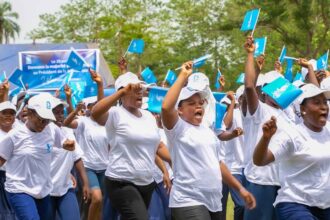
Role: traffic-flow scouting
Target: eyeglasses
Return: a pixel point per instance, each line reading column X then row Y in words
column 42, row 120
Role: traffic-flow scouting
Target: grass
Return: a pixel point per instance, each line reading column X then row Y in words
column 230, row 209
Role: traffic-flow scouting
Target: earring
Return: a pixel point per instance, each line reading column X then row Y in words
column 303, row 113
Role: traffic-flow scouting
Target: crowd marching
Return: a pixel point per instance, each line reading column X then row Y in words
column 111, row 158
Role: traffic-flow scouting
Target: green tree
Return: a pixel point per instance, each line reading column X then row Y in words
column 8, row 26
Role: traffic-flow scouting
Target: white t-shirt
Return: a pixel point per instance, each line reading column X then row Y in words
column 28, row 156
column 196, row 156
column 61, row 165
column 304, row 164
column 265, row 175
column 2, row 136
column 93, row 141
column 234, row 148
column 134, row 141
column 158, row 175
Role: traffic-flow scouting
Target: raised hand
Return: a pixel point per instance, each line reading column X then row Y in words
column 122, row 63
column 249, row 45
column 95, row 76
column 222, row 81
column 269, row 128
column 278, row 66
column 67, row 90
column 260, row 61
column 303, row 62
column 187, row 68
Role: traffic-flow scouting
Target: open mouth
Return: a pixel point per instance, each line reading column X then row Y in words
column 199, row 113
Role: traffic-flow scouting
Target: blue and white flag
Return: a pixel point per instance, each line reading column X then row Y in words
column 170, row 77
column 241, row 78
column 250, row 20
column 322, row 62
column 148, row 76
column 298, row 76
column 288, row 71
column 136, row 46
column 201, row 61
column 220, row 111
column 218, row 95
column 260, row 45
column 217, row 84
column 3, row 77
column 75, row 61
column 282, row 92
column 16, row 77
column 156, row 97
column 282, row 55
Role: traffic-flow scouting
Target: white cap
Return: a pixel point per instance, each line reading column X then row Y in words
column 298, row 83
column 7, row 105
column 56, row 102
column 304, row 70
column 125, row 79
column 325, row 84
column 239, row 91
column 271, row 76
column 42, row 104
column 89, row 100
column 198, row 81
column 260, row 80
column 186, row 93
column 311, row 90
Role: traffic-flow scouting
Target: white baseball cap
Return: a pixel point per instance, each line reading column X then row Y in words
column 42, row 104
column 7, row 105
column 311, row 90
column 187, row 92
column 56, row 102
column 271, row 76
column 304, row 70
column 325, row 84
column 125, row 79
column 198, row 81
column 89, row 100
column 239, row 91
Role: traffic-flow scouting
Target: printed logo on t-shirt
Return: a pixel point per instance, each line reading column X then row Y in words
column 49, row 148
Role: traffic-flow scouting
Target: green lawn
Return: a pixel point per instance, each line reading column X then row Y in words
column 230, row 209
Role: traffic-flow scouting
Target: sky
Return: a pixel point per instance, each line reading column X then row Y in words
column 29, row 11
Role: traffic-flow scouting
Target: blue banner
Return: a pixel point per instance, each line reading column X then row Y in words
column 260, row 44
column 250, row 20
column 282, row 92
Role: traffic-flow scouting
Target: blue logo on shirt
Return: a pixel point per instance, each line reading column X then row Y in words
column 49, row 148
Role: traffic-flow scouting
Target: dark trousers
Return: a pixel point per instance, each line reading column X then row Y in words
column 130, row 200
column 296, row 211
column 198, row 212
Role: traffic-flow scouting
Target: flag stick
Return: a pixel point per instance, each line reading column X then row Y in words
column 290, row 58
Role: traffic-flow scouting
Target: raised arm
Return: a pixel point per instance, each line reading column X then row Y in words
column 169, row 113
column 228, row 119
column 70, row 120
column 98, row 79
column 68, row 96
column 250, row 77
column 310, row 77
column 4, row 89
column 262, row 155
column 222, row 82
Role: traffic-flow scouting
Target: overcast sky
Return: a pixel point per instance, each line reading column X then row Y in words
column 29, row 11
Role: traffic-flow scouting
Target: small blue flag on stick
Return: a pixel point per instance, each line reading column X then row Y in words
column 282, row 55
column 199, row 62
column 260, row 44
column 288, row 71
column 250, row 20
column 298, row 76
column 170, row 77
column 322, row 62
column 217, row 84
column 3, row 77
column 75, row 61
column 220, row 110
column 241, row 78
column 148, row 76
column 218, row 95
column 136, row 46
column 156, row 97
column 282, row 92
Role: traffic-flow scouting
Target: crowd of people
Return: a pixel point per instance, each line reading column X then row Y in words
column 111, row 158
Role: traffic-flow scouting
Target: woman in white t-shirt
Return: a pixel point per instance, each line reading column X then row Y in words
column 134, row 139
column 196, row 157
column 303, row 155
column 27, row 153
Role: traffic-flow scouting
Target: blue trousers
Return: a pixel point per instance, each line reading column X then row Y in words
column 158, row 208
column 238, row 201
column 265, row 197
column 296, row 211
column 6, row 211
column 65, row 207
column 28, row 208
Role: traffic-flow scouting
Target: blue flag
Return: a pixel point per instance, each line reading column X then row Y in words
column 217, row 84
column 3, row 77
column 250, row 20
column 17, row 78
column 75, row 61
column 148, row 76
column 218, row 95
column 282, row 92
column 201, row 61
column 298, row 76
column 220, row 110
column 241, row 78
column 136, row 46
column 260, row 44
column 170, row 77
column 288, row 71
column 322, row 62
column 156, row 97
column 282, row 55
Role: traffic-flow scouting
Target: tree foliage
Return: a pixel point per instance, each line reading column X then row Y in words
column 175, row 31
column 9, row 29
